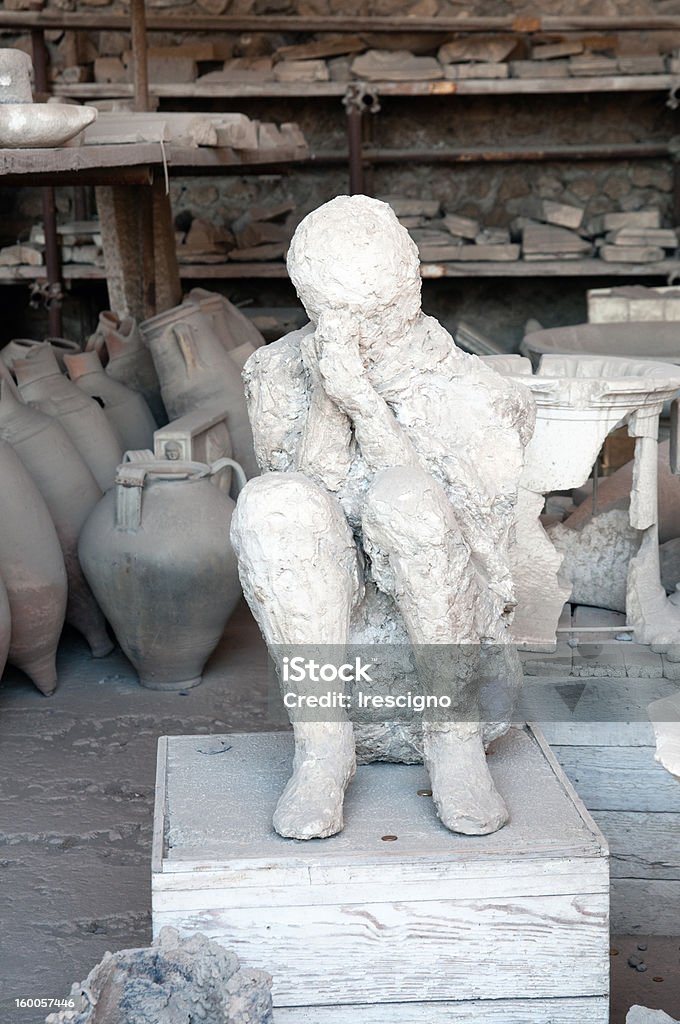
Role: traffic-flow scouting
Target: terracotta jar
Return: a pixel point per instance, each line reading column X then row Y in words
column 157, row 554
column 129, row 360
column 5, row 626
column 19, row 348
column 195, row 370
column 70, row 493
column 32, row 568
column 238, row 334
column 42, row 384
column 126, row 410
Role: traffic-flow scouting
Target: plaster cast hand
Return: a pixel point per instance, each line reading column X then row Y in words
column 382, row 441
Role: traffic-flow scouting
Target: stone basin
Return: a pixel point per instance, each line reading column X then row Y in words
column 643, row 340
column 580, row 399
column 42, row 125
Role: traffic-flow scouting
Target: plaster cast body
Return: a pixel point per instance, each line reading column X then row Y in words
column 390, row 464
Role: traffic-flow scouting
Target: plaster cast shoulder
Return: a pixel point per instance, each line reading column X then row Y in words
column 277, row 394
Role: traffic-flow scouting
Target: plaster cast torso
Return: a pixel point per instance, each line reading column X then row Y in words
column 467, row 428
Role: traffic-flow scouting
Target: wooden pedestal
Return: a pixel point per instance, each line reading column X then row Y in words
column 429, row 927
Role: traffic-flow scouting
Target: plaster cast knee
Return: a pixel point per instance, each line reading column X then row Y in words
column 419, row 555
column 297, row 558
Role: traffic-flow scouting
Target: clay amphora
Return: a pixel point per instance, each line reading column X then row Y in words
column 233, row 328
column 126, row 410
column 70, row 493
column 195, row 371
column 41, row 384
column 5, row 626
column 20, row 347
column 32, row 568
column 157, row 554
column 129, row 360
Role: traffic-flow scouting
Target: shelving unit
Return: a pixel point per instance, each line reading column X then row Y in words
column 356, row 96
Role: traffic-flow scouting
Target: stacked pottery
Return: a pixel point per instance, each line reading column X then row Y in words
column 32, row 569
column 5, row 626
column 19, row 348
column 237, row 333
column 129, row 360
column 43, row 385
column 126, row 410
column 70, row 493
column 157, row 555
column 195, row 370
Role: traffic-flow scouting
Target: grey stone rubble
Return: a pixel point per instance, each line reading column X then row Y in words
column 174, row 981
column 643, row 1015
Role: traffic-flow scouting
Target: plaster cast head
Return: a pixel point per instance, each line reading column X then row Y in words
column 352, row 254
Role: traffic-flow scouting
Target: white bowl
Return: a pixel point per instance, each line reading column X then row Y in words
column 42, row 125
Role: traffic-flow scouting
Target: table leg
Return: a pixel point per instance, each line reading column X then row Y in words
column 168, row 286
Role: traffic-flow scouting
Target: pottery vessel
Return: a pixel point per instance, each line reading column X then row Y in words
column 125, row 409
column 15, row 76
column 70, row 493
column 32, row 568
column 19, row 348
column 43, row 385
column 129, row 360
column 195, row 370
column 237, row 333
column 42, row 125
column 5, row 626
column 157, row 554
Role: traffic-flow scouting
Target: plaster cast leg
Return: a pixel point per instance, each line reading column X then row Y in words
column 420, row 558
column 300, row 573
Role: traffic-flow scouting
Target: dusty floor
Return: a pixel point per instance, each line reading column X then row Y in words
column 76, row 808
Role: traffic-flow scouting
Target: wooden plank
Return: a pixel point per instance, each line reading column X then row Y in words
column 542, row 946
column 620, row 779
column 551, row 268
column 642, row 845
column 49, row 162
column 190, row 892
column 100, row 19
column 205, row 272
column 588, row 1010
column 462, row 87
column 644, row 907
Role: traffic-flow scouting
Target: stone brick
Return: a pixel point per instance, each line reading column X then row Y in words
column 617, row 185
column 646, row 175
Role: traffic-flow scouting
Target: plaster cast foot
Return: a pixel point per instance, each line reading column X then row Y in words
column 310, row 806
column 464, row 794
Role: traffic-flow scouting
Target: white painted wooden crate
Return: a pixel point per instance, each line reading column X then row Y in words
column 432, row 927
column 606, row 307
column 636, row 803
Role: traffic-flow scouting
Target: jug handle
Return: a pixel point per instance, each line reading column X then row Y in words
column 130, row 478
column 239, row 473
column 184, row 336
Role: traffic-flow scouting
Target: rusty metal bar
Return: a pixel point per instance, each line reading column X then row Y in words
column 54, row 291
column 139, row 55
column 624, row 151
column 355, row 144
column 83, row 21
